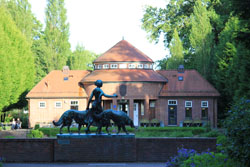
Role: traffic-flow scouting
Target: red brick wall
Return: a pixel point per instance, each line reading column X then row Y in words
column 99, row 149
column 27, row 150
column 162, row 109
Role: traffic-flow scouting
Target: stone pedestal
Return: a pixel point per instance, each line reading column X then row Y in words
column 95, row 148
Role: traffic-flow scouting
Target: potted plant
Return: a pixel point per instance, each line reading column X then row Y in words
column 144, row 123
column 155, row 122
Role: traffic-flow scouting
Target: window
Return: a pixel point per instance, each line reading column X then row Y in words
column 151, row 66
column 188, row 109
column 152, row 103
column 123, row 66
column 74, row 105
column 204, row 104
column 99, row 66
column 188, row 112
column 172, row 102
column 204, row 110
column 142, row 108
column 58, row 104
column 146, row 66
column 42, row 104
column 140, row 66
column 105, row 66
column 204, row 113
column 180, row 78
column 131, row 66
column 113, row 66
column 188, row 103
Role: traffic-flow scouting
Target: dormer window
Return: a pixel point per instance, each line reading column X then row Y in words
column 146, row 66
column 131, row 66
column 105, row 66
column 113, row 66
column 140, row 66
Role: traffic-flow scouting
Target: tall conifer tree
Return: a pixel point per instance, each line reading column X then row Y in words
column 56, row 35
column 176, row 50
column 201, row 38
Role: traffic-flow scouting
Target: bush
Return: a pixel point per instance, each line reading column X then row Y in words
column 213, row 133
column 237, row 132
column 183, row 154
column 37, row 126
column 1, row 128
column 221, row 143
column 1, row 161
column 8, row 119
column 209, row 159
column 9, row 137
column 198, row 131
column 35, row 134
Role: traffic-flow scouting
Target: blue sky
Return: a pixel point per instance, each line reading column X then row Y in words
column 100, row 24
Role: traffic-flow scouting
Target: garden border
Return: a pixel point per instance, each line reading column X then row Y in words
column 100, row 149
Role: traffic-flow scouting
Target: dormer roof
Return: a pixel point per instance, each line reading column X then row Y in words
column 123, row 51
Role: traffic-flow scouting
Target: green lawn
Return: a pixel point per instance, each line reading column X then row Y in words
column 146, row 132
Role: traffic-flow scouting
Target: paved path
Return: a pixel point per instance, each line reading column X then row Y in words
column 19, row 133
column 84, row 164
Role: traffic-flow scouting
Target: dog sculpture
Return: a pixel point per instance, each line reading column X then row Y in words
column 120, row 119
column 70, row 115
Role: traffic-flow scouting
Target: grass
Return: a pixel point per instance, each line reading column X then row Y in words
column 146, row 132
column 9, row 137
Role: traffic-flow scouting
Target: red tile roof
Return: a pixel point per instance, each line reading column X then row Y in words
column 54, row 85
column 124, row 75
column 123, row 52
column 193, row 84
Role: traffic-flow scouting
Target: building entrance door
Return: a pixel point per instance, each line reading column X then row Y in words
column 123, row 105
column 172, row 115
column 136, row 114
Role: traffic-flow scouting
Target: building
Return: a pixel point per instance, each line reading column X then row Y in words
column 171, row 96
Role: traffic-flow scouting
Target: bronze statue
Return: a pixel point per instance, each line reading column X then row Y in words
column 97, row 103
column 120, row 119
column 95, row 115
column 70, row 115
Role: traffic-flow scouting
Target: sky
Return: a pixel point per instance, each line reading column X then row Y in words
column 99, row 24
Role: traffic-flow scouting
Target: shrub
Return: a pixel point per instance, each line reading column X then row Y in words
column 183, row 154
column 198, row 131
column 1, row 161
column 37, row 126
column 213, row 133
column 9, row 137
column 35, row 134
column 209, row 159
column 221, row 143
column 8, row 119
column 1, row 128
column 237, row 132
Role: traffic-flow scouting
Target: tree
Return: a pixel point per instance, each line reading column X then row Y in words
column 17, row 63
column 176, row 51
column 21, row 13
column 56, row 35
column 81, row 59
column 201, row 39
